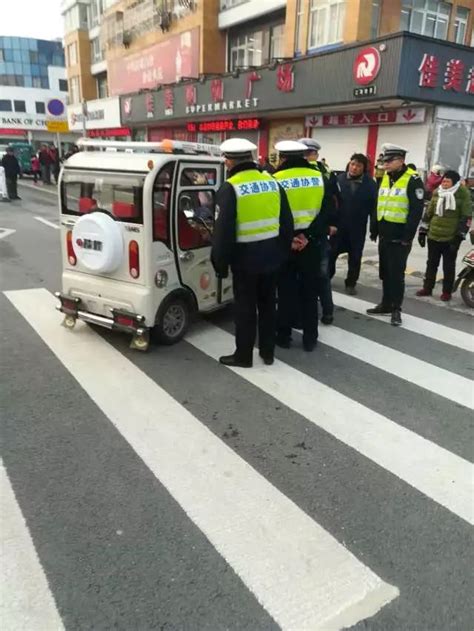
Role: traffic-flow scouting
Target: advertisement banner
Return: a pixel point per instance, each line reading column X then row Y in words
column 162, row 63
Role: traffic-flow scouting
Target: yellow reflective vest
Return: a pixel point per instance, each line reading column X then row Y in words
column 304, row 188
column 258, row 206
column 393, row 203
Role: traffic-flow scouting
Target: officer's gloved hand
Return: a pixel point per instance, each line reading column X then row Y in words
column 422, row 239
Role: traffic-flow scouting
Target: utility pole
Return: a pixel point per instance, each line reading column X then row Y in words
column 84, row 118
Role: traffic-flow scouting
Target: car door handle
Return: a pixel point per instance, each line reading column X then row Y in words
column 186, row 256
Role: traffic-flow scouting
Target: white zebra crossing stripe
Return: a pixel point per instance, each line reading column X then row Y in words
column 298, row 572
column 47, row 222
column 435, row 331
column 436, row 472
column 25, row 599
column 422, row 374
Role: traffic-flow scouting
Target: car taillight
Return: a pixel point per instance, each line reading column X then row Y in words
column 71, row 257
column 124, row 320
column 134, row 259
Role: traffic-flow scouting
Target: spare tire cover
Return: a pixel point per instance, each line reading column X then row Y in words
column 97, row 241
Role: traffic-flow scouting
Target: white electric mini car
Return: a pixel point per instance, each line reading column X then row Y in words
column 136, row 226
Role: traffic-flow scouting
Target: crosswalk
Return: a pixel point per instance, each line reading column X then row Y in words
column 282, row 549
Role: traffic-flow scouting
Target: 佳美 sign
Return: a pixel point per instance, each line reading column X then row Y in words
column 400, row 116
column 241, row 124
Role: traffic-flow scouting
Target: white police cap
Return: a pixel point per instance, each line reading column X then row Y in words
column 289, row 147
column 235, row 147
column 391, row 151
column 310, row 144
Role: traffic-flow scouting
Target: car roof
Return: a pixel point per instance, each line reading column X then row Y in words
column 132, row 162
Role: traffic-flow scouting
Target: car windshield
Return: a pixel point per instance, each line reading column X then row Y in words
column 119, row 194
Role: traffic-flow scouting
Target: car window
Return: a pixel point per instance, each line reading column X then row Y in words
column 198, row 177
column 121, row 195
column 162, row 203
column 195, row 219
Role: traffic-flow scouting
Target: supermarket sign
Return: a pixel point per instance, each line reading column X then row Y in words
column 400, row 116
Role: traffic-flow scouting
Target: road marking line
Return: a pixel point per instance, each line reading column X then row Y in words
column 429, row 468
column 6, row 232
column 433, row 330
column 298, row 572
column 47, row 223
column 423, row 374
column 26, row 601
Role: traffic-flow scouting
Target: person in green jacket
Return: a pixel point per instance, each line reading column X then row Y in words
column 445, row 224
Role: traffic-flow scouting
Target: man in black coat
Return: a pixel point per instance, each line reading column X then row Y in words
column 254, row 241
column 12, row 171
column 358, row 203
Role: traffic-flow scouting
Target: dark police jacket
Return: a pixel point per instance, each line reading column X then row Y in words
column 258, row 257
column 406, row 232
column 11, row 166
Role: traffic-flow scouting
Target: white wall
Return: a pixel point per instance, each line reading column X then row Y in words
column 411, row 137
column 248, row 11
column 337, row 145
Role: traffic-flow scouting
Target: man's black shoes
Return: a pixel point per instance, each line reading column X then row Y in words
column 327, row 319
column 396, row 318
column 235, row 362
column 379, row 310
column 268, row 360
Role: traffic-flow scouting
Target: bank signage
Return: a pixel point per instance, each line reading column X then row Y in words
column 389, row 69
column 23, row 121
column 100, row 114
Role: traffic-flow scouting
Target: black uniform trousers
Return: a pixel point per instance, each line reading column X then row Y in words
column 298, row 299
column 254, row 293
column 340, row 245
column 12, row 189
column 449, row 252
column 392, row 264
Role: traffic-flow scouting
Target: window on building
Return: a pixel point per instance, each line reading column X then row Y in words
column 62, row 85
column 74, row 90
column 20, row 106
column 246, row 50
column 93, row 14
column 83, row 17
column 40, row 107
column 96, row 51
column 326, row 22
column 36, row 81
column 299, row 45
column 375, row 18
column 426, row 17
column 72, row 54
column 5, row 105
column 277, row 41
column 102, row 86
column 2, row 55
column 34, row 59
column 460, row 25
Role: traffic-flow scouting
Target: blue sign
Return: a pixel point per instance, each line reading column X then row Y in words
column 55, row 107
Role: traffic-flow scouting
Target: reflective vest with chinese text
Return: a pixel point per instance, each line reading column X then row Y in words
column 304, row 188
column 393, row 203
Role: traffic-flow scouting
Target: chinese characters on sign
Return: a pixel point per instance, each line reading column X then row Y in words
column 224, row 125
column 190, row 94
column 369, row 90
column 217, row 90
column 452, row 77
column 169, row 102
column 251, row 78
column 401, row 116
column 285, row 78
column 149, row 105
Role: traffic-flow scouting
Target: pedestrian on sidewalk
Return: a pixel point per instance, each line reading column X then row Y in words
column 445, row 224
column 252, row 235
column 359, row 203
column 399, row 210
column 12, row 171
column 434, row 179
column 45, row 164
column 35, row 168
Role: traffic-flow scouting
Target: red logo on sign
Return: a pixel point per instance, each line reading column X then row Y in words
column 190, row 95
column 217, row 90
column 251, row 78
column 366, row 66
column 285, row 78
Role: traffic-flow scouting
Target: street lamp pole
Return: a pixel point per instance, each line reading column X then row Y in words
column 84, row 118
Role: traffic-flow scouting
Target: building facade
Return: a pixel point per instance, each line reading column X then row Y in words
column 32, row 79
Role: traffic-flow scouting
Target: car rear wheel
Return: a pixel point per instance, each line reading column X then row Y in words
column 172, row 321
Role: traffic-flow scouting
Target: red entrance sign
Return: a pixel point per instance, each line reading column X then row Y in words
column 366, row 66
column 12, row 132
column 109, row 133
column 240, row 124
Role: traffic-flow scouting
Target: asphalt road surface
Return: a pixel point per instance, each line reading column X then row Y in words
column 163, row 491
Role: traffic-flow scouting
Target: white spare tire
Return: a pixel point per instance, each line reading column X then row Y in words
column 97, row 240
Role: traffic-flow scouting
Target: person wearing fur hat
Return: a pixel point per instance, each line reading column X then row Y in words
column 445, row 225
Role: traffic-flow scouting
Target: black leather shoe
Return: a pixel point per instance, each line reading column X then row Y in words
column 309, row 346
column 396, row 318
column 379, row 310
column 351, row 290
column 327, row 319
column 267, row 359
column 283, row 342
column 232, row 360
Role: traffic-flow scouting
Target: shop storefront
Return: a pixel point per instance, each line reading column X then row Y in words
column 102, row 120
column 403, row 88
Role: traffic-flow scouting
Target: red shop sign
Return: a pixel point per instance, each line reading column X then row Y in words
column 366, row 66
column 12, row 132
column 108, row 133
column 351, row 119
column 240, row 124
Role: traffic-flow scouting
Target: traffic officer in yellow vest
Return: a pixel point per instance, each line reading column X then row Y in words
column 399, row 210
column 310, row 204
column 252, row 235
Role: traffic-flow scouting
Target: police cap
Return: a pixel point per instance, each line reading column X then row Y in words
column 237, row 148
column 310, row 144
column 291, row 148
column 393, row 151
